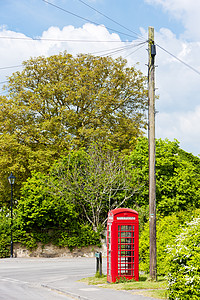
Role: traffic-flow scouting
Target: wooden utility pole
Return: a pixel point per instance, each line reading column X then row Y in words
column 152, row 171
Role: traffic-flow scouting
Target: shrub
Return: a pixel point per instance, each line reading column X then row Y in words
column 184, row 264
column 167, row 229
column 5, row 235
column 44, row 217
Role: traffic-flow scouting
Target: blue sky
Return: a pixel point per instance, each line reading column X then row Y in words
column 34, row 16
column 176, row 24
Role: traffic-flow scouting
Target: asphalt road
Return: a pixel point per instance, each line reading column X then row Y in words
column 26, row 279
column 54, row 279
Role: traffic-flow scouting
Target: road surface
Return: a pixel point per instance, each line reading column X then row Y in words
column 54, row 279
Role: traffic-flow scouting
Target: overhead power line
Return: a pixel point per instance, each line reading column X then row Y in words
column 102, row 53
column 118, row 50
column 3, row 93
column 2, row 82
column 10, row 67
column 180, row 60
column 107, row 17
column 135, row 50
column 107, row 52
column 60, row 40
column 85, row 19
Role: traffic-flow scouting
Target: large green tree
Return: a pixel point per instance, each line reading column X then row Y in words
column 95, row 180
column 59, row 101
column 44, row 217
column 177, row 176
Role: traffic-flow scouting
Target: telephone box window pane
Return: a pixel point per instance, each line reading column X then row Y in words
column 126, row 234
column 126, row 227
column 128, row 241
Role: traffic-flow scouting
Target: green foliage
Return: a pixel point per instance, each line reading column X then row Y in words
column 69, row 206
column 63, row 101
column 144, row 287
column 5, row 234
column 38, row 208
column 184, row 264
column 168, row 228
column 96, row 180
column 123, row 279
column 143, row 215
column 98, row 275
column 83, row 237
column 48, row 218
column 177, row 176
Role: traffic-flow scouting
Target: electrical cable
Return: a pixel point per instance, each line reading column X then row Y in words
column 85, row 19
column 108, row 53
column 57, row 40
column 180, row 60
column 135, row 50
column 118, row 50
column 107, row 17
column 111, row 50
column 122, row 47
column 2, row 93
column 10, row 67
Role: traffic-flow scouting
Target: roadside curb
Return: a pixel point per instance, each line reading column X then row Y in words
column 70, row 294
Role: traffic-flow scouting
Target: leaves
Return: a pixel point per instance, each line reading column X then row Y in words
column 177, row 176
column 61, row 102
column 167, row 228
column 184, row 263
column 97, row 180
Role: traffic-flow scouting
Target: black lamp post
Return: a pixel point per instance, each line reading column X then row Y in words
column 11, row 180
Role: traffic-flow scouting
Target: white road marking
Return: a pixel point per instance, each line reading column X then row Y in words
column 13, row 280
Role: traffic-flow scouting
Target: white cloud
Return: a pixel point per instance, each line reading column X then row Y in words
column 174, row 79
column 178, row 90
column 187, row 11
column 16, row 50
column 183, row 126
column 87, row 33
column 177, row 85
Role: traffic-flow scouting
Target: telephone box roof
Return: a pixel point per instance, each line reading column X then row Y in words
column 123, row 210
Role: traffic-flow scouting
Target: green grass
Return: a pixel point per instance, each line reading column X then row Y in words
column 144, row 286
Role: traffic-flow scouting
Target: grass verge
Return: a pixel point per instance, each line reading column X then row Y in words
column 144, row 286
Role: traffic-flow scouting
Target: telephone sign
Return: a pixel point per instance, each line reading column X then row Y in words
column 122, row 244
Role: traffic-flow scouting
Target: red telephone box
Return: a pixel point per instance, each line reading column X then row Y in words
column 122, row 244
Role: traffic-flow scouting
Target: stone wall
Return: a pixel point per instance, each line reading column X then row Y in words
column 50, row 250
